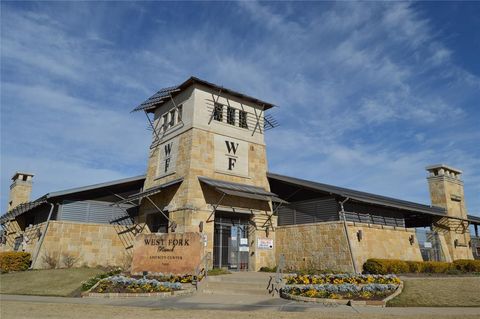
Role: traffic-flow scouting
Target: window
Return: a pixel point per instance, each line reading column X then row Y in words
column 172, row 118
column 157, row 223
column 242, row 120
column 165, row 121
column 218, row 112
column 231, row 115
column 179, row 113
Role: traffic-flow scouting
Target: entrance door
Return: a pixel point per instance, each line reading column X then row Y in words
column 230, row 242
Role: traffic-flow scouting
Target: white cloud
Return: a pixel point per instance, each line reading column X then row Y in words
column 368, row 93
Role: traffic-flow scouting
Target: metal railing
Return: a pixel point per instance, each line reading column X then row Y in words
column 275, row 283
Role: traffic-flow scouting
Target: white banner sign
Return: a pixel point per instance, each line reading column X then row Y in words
column 265, row 243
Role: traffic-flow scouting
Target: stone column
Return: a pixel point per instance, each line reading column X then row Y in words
column 446, row 190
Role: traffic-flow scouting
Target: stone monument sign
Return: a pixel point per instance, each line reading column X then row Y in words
column 176, row 253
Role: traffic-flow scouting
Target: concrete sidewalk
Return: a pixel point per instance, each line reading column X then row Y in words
column 203, row 301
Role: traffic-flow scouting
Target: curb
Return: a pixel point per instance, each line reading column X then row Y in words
column 134, row 295
column 90, row 294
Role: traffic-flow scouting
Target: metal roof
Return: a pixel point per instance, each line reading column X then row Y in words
column 359, row 196
column 474, row 219
column 22, row 208
column 95, row 186
column 242, row 190
column 164, row 94
column 148, row 192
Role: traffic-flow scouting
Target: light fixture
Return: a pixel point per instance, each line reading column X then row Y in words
column 411, row 239
column 359, row 235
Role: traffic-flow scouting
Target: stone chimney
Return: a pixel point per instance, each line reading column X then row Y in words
column 446, row 189
column 20, row 189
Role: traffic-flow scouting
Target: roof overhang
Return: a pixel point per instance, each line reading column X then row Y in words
column 473, row 219
column 359, row 196
column 166, row 94
column 21, row 209
column 241, row 190
column 148, row 192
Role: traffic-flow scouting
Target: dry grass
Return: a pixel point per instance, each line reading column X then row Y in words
column 27, row 310
column 52, row 282
column 439, row 292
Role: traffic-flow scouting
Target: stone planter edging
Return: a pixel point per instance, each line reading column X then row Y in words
column 348, row 302
column 90, row 294
column 184, row 292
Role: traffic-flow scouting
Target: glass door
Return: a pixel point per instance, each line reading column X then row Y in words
column 230, row 246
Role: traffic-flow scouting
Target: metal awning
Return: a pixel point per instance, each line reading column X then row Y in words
column 20, row 209
column 241, row 190
column 148, row 192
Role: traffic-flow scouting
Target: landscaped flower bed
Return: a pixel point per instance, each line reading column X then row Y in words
column 184, row 279
column 337, row 279
column 122, row 284
column 162, row 278
column 342, row 291
column 341, row 286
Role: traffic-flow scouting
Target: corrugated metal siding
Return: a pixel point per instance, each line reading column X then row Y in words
column 374, row 219
column 362, row 213
column 312, row 211
column 89, row 212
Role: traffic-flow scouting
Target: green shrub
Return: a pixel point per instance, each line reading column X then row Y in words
column 436, row 267
column 14, row 261
column 388, row 266
column 467, row 265
column 374, row 266
column 268, row 269
column 415, row 267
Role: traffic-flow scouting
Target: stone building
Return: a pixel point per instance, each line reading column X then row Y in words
column 207, row 172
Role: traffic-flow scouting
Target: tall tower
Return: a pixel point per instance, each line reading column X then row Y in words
column 446, row 190
column 20, row 189
column 208, row 157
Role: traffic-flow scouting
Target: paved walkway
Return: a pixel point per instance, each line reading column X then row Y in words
column 259, row 301
column 203, row 301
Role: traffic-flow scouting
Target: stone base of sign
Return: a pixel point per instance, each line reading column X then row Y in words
column 172, row 253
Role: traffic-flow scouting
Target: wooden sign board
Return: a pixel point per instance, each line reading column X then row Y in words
column 175, row 253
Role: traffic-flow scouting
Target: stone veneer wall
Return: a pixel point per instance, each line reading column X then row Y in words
column 19, row 193
column 92, row 244
column 382, row 242
column 318, row 246
column 325, row 245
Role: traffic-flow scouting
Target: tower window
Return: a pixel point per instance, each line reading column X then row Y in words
column 172, row 118
column 165, row 121
column 218, row 112
column 179, row 113
column 231, row 115
column 242, row 119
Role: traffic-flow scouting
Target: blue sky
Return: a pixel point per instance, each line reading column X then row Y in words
column 369, row 93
